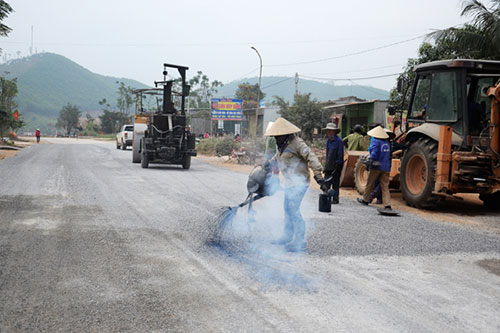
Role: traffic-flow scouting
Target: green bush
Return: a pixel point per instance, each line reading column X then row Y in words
column 207, row 146
column 225, row 146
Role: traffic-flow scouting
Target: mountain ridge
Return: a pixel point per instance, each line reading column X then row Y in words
column 285, row 87
column 47, row 81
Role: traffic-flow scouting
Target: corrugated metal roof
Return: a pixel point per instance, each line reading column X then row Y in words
column 354, row 103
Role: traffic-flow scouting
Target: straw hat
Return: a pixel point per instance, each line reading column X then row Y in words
column 332, row 127
column 269, row 124
column 378, row 132
column 281, row 127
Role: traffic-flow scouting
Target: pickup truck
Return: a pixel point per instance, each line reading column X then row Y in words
column 124, row 137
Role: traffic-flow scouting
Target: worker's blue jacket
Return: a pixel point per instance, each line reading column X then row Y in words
column 380, row 151
column 334, row 154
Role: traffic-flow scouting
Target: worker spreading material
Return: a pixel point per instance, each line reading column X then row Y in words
column 293, row 158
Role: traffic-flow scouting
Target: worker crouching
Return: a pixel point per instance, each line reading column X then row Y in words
column 293, row 158
column 378, row 167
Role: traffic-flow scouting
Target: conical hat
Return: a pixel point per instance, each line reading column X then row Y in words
column 281, row 127
column 269, row 124
column 378, row 132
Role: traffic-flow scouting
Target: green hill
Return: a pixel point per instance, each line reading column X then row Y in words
column 285, row 88
column 47, row 81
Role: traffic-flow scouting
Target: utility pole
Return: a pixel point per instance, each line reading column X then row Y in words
column 296, row 83
column 258, row 93
column 31, row 47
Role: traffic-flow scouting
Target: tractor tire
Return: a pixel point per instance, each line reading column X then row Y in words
column 117, row 145
column 144, row 156
column 360, row 176
column 136, row 155
column 186, row 163
column 418, row 173
column 124, row 146
column 491, row 201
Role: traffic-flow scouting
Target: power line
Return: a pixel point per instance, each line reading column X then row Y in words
column 358, row 70
column 348, row 54
column 278, row 82
column 350, row 79
column 244, row 75
column 370, row 90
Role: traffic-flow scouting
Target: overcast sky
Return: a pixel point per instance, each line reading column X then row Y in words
column 133, row 39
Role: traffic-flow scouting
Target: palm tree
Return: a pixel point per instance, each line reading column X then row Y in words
column 5, row 10
column 481, row 37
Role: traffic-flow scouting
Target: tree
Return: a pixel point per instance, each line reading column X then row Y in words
column 125, row 99
column 304, row 113
column 8, row 112
column 111, row 121
column 90, row 128
column 69, row 118
column 478, row 40
column 481, row 38
column 202, row 91
column 5, row 10
column 248, row 93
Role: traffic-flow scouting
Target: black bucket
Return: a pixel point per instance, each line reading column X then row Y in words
column 325, row 203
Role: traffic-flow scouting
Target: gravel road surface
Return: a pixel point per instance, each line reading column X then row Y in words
column 92, row 242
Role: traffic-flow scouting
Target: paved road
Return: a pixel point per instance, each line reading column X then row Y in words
column 91, row 242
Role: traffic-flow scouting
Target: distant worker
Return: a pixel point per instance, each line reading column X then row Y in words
column 378, row 167
column 355, row 140
column 270, row 149
column 294, row 158
column 38, row 134
column 334, row 160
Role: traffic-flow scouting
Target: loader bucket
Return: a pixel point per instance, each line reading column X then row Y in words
column 350, row 159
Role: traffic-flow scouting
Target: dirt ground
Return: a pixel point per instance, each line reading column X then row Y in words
column 22, row 143
column 465, row 209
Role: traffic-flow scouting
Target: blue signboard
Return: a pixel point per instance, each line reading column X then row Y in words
column 226, row 109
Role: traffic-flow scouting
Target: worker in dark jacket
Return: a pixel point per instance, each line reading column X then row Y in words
column 334, row 160
column 378, row 166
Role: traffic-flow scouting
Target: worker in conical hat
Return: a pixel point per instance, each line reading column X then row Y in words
column 378, row 166
column 294, row 158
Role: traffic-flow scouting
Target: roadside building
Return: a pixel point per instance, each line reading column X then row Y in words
column 363, row 113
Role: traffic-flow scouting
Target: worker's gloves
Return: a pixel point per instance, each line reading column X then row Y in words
column 369, row 164
column 267, row 166
column 319, row 179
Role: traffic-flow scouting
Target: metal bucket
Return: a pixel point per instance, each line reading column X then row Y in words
column 325, row 203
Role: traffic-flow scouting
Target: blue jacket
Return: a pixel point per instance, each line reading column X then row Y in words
column 380, row 151
column 334, row 153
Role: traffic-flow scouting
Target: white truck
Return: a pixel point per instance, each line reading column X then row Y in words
column 124, row 137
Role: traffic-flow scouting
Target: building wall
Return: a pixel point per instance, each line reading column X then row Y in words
column 379, row 116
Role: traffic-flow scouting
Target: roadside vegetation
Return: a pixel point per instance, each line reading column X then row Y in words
column 10, row 118
column 478, row 39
